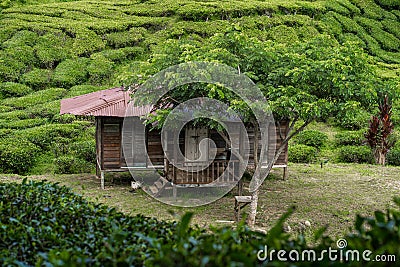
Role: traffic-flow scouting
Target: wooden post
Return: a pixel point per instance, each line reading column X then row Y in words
column 285, row 173
column 102, row 179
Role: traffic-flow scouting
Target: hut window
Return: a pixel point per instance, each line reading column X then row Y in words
column 111, row 128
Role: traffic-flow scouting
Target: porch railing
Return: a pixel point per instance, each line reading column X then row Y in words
column 203, row 172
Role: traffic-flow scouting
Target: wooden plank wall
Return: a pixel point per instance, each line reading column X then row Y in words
column 111, row 142
column 283, row 157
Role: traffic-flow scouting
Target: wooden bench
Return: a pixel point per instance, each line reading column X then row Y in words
column 240, row 203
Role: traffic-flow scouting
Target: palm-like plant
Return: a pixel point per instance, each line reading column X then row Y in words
column 380, row 129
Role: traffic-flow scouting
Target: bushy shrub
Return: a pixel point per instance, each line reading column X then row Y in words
column 14, row 115
column 23, row 124
column 13, row 62
column 127, row 38
column 70, row 164
column 312, row 138
column 71, row 72
column 45, row 110
column 122, row 54
column 302, row 154
column 4, row 132
column 23, row 37
column 52, row 49
column 283, row 34
column 393, row 156
column 35, row 98
column 84, row 150
column 353, row 119
column 72, row 231
column 86, row 41
column 350, row 138
column 100, row 69
column 356, row 154
column 37, row 78
column 11, row 89
column 43, row 136
column 16, row 155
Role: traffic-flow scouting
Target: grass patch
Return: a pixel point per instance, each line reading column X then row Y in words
column 329, row 196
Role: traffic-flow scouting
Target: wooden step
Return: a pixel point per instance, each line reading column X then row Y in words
column 159, row 184
column 243, row 199
column 153, row 189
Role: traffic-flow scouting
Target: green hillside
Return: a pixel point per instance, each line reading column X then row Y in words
column 66, row 48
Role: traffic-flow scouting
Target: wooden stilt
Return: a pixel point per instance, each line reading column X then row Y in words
column 102, row 179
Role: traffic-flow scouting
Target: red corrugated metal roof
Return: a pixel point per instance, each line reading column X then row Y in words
column 111, row 103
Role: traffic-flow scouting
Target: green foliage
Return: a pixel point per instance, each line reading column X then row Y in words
column 10, row 89
column 85, row 150
column 21, row 38
column 302, row 153
column 23, row 124
column 83, row 89
column 51, row 49
column 350, row 138
column 312, row 138
column 69, row 164
column 99, row 69
column 37, row 78
column 71, row 72
column 16, row 155
column 45, row 110
column 283, row 34
column 126, row 38
column 388, row 3
column 356, row 154
column 44, row 135
column 48, row 225
column 14, row 115
column 352, row 117
column 35, row 98
column 393, row 156
column 86, row 41
column 62, row 223
column 392, row 26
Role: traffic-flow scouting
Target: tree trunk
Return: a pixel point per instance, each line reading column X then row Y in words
column 380, row 157
column 251, row 220
column 256, row 178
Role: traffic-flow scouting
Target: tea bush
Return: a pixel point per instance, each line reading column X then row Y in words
column 11, row 89
column 312, row 138
column 84, row 150
column 302, row 153
column 70, row 164
column 51, row 49
column 43, row 136
column 100, row 69
column 37, row 78
column 352, row 138
column 16, row 155
column 71, row 72
column 356, row 154
column 47, row 224
column 393, row 156
column 35, row 98
column 40, row 220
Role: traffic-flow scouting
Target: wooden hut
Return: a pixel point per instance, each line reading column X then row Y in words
column 108, row 107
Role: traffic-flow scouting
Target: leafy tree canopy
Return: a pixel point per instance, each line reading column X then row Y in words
column 302, row 80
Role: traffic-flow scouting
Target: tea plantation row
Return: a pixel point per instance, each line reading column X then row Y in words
column 51, row 50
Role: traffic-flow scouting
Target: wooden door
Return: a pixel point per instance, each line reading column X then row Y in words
column 195, row 149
